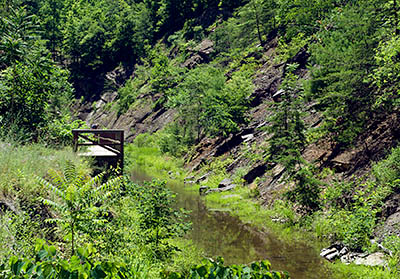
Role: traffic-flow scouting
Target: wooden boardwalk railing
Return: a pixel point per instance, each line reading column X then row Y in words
column 107, row 145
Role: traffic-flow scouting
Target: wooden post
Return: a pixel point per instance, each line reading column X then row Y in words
column 122, row 152
column 75, row 134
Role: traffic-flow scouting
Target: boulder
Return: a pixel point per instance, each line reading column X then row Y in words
column 325, row 252
column 344, row 251
column 334, row 251
column 223, row 189
column 225, row 183
column 248, row 137
column 332, row 256
column 206, row 47
column 375, row 259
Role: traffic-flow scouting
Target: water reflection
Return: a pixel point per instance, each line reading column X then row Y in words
column 220, row 234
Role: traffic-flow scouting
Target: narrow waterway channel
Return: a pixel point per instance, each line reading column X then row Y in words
column 220, row 234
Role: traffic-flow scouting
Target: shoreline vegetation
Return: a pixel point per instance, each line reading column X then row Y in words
column 280, row 218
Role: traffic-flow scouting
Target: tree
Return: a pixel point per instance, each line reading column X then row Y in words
column 33, row 90
column 302, row 16
column 81, row 202
column 258, row 15
column 158, row 219
column 209, row 104
column 251, row 24
column 288, row 141
column 287, row 127
column 18, row 33
column 50, row 13
column 339, row 84
column 386, row 77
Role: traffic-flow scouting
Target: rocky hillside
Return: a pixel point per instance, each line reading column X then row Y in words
column 247, row 146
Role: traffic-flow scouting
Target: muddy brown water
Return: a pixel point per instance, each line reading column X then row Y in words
column 218, row 233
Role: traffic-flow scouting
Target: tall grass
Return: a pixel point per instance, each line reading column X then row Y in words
column 20, row 164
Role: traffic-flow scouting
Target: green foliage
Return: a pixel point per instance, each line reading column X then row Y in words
column 387, row 171
column 145, row 154
column 47, row 264
column 209, row 104
column 339, row 83
column 18, row 33
column 164, row 74
column 360, row 228
column 32, row 95
column 158, row 219
column 287, row 127
column 156, row 76
column 18, row 233
column 386, row 75
column 33, row 90
column 302, row 16
column 82, row 203
column 174, row 140
column 351, row 217
column 129, row 93
column 19, row 165
column 307, row 190
column 250, row 25
column 217, row 269
column 287, row 50
column 352, row 271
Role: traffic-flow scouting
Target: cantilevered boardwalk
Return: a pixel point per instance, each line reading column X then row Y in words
column 106, row 146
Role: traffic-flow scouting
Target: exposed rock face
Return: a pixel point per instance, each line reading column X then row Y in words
column 225, row 183
column 392, row 225
column 200, row 54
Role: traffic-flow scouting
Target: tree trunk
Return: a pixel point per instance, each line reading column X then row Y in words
column 396, row 17
column 258, row 24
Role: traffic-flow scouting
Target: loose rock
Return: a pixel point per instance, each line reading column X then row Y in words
column 375, row 259
column 225, row 183
column 332, row 256
column 325, row 252
column 203, row 177
column 227, row 188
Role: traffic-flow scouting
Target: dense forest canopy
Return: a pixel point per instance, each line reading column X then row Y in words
column 353, row 47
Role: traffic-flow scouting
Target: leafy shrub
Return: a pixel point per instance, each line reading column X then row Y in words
column 359, row 228
column 217, row 269
column 307, row 190
column 387, row 172
column 158, row 220
column 47, row 264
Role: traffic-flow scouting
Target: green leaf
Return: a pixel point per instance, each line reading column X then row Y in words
column 98, row 272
